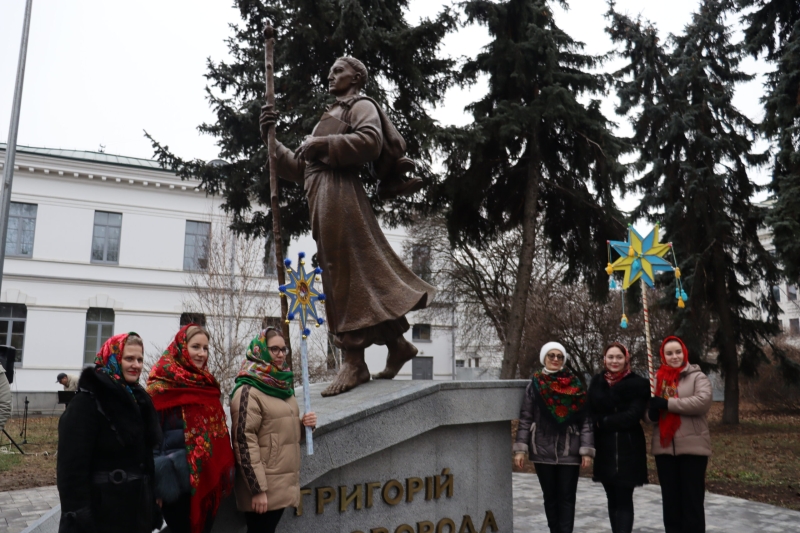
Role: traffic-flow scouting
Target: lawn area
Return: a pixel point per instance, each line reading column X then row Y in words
column 757, row 460
column 38, row 467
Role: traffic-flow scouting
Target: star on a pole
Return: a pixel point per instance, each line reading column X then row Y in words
column 640, row 257
column 303, row 295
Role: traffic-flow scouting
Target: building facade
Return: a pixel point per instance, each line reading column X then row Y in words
column 785, row 293
column 99, row 244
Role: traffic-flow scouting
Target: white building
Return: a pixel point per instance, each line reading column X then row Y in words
column 99, row 244
column 785, row 293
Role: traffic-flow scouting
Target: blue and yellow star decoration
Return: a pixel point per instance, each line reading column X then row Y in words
column 640, row 258
column 303, row 295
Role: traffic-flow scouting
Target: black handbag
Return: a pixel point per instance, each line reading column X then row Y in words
column 172, row 476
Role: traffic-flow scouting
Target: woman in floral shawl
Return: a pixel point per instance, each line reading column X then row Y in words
column 556, row 434
column 196, row 442
column 267, row 431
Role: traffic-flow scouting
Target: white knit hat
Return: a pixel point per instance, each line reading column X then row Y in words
column 549, row 346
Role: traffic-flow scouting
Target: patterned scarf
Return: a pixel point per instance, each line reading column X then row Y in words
column 109, row 356
column 667, row 379
column 175, row 381
column 562, row 393
column 612, row 378
column 259, row 371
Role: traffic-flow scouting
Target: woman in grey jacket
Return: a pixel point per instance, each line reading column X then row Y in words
column 556, row 434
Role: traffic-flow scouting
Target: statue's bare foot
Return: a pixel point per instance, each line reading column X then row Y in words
column 400, row 353
column 350, row 376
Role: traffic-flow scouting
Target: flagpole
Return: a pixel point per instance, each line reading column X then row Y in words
column 13, row 129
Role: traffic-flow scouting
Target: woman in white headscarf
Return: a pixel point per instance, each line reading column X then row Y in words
column 556, row 434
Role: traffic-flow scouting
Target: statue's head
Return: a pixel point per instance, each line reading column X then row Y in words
column 348, row 76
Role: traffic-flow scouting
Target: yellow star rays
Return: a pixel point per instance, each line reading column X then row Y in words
column 303, row 295
column 639, row 257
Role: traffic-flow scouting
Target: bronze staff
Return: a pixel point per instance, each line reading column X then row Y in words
column 269, row 38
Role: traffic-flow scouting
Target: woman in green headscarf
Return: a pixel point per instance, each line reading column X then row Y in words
column 266, row 429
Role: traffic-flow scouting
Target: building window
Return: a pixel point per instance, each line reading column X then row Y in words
column 99, row 328
column 272, row 322
column 12, row 327
column 421, row 261
column 476, row 362
column 776, row 293
column 193, row 318
column 794, row 326
column 21, row 226
column 105, row 239
column 459, row 363
column 421, row 332
column 195, row 248
column 791, row 292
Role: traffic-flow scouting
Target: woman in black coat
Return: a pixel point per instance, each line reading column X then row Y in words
column 105, row 446
column 617, row 401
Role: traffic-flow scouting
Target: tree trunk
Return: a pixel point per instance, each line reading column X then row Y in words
column 519, row 301
column 728, row 355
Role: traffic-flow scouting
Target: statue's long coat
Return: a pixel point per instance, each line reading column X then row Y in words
column 364, row 281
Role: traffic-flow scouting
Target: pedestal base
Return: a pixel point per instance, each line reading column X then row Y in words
column 407, row 457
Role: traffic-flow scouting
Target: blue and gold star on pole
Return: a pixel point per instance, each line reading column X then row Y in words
column 303, row 295
column 640, row 257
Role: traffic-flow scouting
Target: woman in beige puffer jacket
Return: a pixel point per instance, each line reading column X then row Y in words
column 266, row 433
column 681, row 441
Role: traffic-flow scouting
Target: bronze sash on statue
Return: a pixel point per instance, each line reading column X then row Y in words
column 330, row 125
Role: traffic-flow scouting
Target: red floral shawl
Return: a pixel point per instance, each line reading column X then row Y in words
column 175, row 381
column 667, row 387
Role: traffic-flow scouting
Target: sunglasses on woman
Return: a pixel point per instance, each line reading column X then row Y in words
column 555, row 357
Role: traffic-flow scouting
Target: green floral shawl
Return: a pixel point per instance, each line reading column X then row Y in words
column 259, row 371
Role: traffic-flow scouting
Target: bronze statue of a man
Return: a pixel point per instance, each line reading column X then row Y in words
column 368, row 288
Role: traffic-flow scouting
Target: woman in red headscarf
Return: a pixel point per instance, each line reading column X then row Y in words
column 617, row 401
column 194, row 464
column 105, row 442
column 681, row 442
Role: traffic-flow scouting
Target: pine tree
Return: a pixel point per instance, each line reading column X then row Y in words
column 695, row 150
column 407, row 76
column 538, row 146
column 773, row 26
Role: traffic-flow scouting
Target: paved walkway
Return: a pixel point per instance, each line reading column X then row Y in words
column 723, row 513
column 20, row 508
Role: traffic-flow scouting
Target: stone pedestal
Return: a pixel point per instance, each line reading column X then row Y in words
column 406, row 456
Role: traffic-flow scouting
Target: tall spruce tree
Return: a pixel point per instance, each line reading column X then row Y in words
column 537, row 147
column 694, row 152
column 407, row 76
column 773, row 28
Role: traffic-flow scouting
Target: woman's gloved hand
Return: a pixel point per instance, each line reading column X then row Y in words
column 659, row 403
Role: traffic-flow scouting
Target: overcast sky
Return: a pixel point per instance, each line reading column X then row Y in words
column 101, row 72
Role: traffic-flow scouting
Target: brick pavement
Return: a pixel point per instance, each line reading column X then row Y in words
column 19, row 509
column 723, row 513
